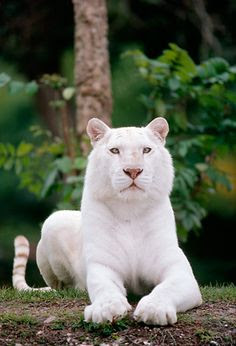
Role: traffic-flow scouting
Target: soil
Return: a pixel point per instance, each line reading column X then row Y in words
column 60, row 322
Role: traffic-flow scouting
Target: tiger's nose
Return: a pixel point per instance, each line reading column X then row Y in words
column 132, row 172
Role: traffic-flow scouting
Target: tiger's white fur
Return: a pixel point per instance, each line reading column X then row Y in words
column 126, row 241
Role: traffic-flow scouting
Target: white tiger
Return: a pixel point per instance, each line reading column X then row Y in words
column 124, row 239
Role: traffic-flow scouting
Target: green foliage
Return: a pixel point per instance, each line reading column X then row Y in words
column 16, row 86
column 46, row 169
column 4, row 79
column 48, row 165
column 199, row 102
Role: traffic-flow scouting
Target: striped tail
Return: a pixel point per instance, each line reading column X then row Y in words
column 19, row 265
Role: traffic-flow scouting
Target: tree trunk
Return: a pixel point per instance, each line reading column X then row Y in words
column 207, row 28
column 92, row 70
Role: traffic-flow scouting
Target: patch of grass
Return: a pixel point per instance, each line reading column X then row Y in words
column 75, row 322
column 104, row 329
column 15, row 319
column 58, row 325
column 205, row 335
column 216, row 293
column 9, row 294
column 210, row 293
column 26, row 333
column 65, row 319
column 217, row 321
column 185, row 318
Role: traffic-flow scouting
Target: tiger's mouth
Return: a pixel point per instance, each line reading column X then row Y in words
column 132, row 187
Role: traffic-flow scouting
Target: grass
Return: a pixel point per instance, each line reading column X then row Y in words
column 216, row 293
column 209, row 293
column 13, row 318
column 56, row 317
column 204, row 335
column 9, row 294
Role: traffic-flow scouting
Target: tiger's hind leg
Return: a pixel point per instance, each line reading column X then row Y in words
column 45, row 269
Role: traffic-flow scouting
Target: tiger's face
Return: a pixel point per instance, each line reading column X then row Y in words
column 132, row 163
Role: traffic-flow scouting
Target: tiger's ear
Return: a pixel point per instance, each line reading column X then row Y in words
column 96, row 129
column 159, row 127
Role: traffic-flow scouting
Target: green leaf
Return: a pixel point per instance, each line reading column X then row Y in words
column 183, row 149
column 77, row 193
column 10, row 149
column 212, row 68
column 219, row 177
column 18, row 167
column 49, row 181
column 232, row 69
column 182, row 233
column 188, row 223
column 202, row 167
column 74, row 179
column 31, row 88
column 160, row 107
column 68, row 93
column 4, row 79
column 64, row 164
column 3, row 149
column 9, row 164
column 16, row 86
column 24, row 149
column 80, row 163
column 174, row 84
column 180, row 62
column 196, row 221
column 180, row 119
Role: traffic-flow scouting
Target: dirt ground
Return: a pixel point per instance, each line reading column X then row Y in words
column 60, row 322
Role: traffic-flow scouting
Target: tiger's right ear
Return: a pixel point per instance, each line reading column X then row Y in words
column 96, row 130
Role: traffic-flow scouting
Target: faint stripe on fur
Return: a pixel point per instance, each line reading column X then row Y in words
column 19, row 265
column 20, row 261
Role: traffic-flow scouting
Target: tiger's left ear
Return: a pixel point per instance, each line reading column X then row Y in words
column 159, row 127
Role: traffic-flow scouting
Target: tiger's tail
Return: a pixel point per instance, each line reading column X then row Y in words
column 22, row 251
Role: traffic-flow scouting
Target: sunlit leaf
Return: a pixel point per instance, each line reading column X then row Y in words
column 16, row 86
column 64, row 164
column 24, row 149
column 68, row 93
column 201, row 167
column 4, row 79
column 80, row 163
column 32, row 88
column 49, row 181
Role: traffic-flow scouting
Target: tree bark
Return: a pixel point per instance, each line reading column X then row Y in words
column 92, row 70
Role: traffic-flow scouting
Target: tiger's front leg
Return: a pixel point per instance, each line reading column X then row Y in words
column 178, row 291
column 107, row 295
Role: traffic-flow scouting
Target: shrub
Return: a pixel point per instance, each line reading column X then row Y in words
column 47, row 165
column 199, row 102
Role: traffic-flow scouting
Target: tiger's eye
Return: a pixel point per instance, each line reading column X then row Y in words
column 146, row 150
column 114, row 150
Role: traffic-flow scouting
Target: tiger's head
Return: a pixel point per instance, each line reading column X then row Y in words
column 129, row 163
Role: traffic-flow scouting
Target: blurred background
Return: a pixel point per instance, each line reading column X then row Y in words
column 37, row 37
